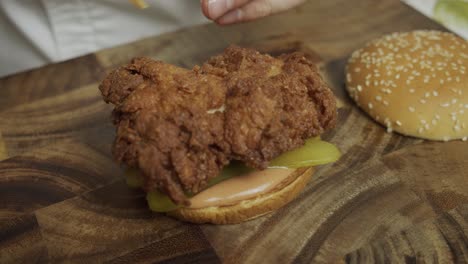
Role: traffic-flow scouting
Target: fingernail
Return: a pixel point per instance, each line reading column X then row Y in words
column 231, row 17
column 216, row 8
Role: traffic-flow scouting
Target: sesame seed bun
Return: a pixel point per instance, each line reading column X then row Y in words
column 415, row 83
column 252, row 208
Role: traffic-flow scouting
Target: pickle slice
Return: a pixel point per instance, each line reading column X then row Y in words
column 134, row 178
column 159, row 202
column 314, row 152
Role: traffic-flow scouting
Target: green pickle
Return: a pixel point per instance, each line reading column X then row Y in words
column 133, row 178
column 314, row 152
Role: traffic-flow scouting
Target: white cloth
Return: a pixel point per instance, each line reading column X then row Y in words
column 37, row 32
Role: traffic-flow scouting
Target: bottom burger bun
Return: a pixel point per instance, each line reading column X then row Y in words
column 249, row 209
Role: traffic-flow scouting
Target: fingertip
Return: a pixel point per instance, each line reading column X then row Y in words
column 204, row 8
column 234, row 16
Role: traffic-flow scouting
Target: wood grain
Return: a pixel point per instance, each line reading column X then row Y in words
column 40, row 123
column 48, row 81
column 3, row 152
column 50, row 175
column 113, row 224
column 389, row 199
column 21, row 240
column 440, row 240
column 437, row 172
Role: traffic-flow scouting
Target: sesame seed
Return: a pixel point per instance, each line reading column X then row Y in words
column 378, row 98
column 411, row 109
column 420, row 130
column 434, row 122
column 389, row 130
column 466, row 106
column 454, row 101
column 456, row 128
column 454, row 118
column 435, row 93
column 385, row 103
column 446, row 138
column 411, row 90
column 357, row 69
column 398, row 123
column 426, row 126
column 427, row 94
column 348, row 77
column 422, row 101
column 359, row 88
column 465, row 139
column 370, row 105
column 423, row 121
column 437, row 117
column 445, row 105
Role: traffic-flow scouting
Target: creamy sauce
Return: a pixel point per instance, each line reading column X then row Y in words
column 240, row 188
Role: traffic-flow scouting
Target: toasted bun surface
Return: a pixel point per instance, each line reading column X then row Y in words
column 414, row 83
column 248, row 209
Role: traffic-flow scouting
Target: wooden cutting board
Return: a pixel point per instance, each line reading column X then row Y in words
column 390, row 199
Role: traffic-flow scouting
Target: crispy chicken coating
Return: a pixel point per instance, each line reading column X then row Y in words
column 181, row 127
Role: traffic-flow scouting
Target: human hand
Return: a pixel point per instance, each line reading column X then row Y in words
column 236, row 11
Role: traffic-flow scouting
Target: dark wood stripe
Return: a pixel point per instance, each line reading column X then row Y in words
column 202, row 257
column 21, row 241
column 3, row 150
column 69, row 115
column 440, row 240
column 82, row 229
column 311, row 248
column 49, row 81
column 50, row 175
column 187, row 247
column 119, row 201
column 424, row 167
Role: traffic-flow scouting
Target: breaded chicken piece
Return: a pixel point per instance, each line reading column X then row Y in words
column 181, row 127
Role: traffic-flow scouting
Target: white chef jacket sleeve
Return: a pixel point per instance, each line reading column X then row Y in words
column 40, row 32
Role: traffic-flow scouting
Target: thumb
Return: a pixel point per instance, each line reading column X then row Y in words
column 214, row 9
column 257, row 9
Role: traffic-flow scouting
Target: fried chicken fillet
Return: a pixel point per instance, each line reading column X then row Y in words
column 180, row 127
